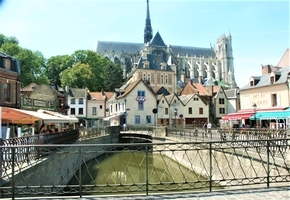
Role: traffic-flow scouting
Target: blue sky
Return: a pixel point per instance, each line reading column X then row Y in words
column 259, row 29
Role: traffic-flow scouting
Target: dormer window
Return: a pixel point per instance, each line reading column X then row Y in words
column 252, row 83
column 272, row 79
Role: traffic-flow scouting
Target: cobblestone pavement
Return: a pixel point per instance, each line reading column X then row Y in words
column 277, row 193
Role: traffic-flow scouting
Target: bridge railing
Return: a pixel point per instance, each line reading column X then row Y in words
column 218, row 134
column 74, row 170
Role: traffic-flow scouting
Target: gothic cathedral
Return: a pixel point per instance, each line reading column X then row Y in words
column 171, row 66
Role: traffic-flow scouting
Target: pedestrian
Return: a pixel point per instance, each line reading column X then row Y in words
column 209, row 127
column 205, row 128
column 124, row 127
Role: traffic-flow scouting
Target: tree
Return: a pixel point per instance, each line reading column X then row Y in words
column 79, row 76
column 56, row 65
column 113, row 77
column 32, row 64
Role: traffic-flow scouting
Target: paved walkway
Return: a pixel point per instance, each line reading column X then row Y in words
column 280, row 193
column 277, row 193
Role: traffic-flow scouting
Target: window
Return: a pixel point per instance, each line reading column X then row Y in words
column 149, row 78
column 7, row 63
column 72, row 111
column 221, row 101
column 101, row 107
column 81, row 111
column 73, row 101
column 166, row 79
column 200, row 110
column 174, row 101
column 137, row 119
column 94, row 111
column 274, row 99
column 148, row 119
column 222, row 111
column 81, row 101
column 141, row 93
column 166, row 111
column 161, row 79
column 195, row 99
column 162, row 101
column 252, row 83
column 272, row 79
column 140, row 105
column 6, row 92
column 144, row 77
column 190, row 110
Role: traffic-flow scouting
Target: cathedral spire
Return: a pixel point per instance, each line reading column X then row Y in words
column 148, row 28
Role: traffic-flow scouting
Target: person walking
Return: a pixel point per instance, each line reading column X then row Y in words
column 209, row 126
column 205, row 128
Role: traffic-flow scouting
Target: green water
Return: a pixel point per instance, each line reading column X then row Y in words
column 137, row 171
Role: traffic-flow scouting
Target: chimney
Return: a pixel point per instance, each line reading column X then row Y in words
column 266, row 69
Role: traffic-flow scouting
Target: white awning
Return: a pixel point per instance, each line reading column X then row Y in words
column 45, row 117
column 112, row 116
column 67, row 118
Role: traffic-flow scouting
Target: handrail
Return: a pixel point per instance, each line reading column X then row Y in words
column 219, row 164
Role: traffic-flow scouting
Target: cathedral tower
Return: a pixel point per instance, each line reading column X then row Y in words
column 148, row 28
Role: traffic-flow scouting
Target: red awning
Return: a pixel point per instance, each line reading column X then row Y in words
column 237, row 116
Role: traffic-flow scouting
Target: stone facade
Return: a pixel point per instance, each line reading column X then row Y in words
column 9, row 81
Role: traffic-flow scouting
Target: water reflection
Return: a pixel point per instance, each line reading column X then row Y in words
column 128, row 171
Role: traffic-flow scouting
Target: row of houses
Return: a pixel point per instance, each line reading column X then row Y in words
column 137, row 103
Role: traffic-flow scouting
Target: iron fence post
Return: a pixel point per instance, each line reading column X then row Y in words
column 210, row 167
column 13, row 171
column 147, row 170
column 268, row 163
column 80, row 171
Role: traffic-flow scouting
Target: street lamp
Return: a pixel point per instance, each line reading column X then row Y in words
column 175, row 114
column 255, row 108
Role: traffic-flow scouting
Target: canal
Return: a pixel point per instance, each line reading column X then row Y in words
column 136, row 171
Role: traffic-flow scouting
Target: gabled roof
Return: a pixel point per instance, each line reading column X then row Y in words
column 154, row 63
column 160, row 90
column 130, row 86
column 29, row 88
column 77, row 93
column 170, row 97
column 186, row 98
column 101, row 96
column 157, row 40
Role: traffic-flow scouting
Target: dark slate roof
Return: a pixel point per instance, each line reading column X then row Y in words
column 191, row 51
column 132, row 48
column 77, row 92
column 264, row 79
column 15, row 65
column 157, row 40
column 119, row 47
column 154, row 62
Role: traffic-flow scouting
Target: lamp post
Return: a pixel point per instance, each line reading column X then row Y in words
column 255, row 108
column 175, row 114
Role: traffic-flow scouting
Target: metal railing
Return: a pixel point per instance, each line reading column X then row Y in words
column 28, row 154
column 218, row 134
column 219, row 165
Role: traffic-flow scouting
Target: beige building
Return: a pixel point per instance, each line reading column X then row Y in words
column 170, row 110
column 133, row 104
column 268, row 92
column 97, row 108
